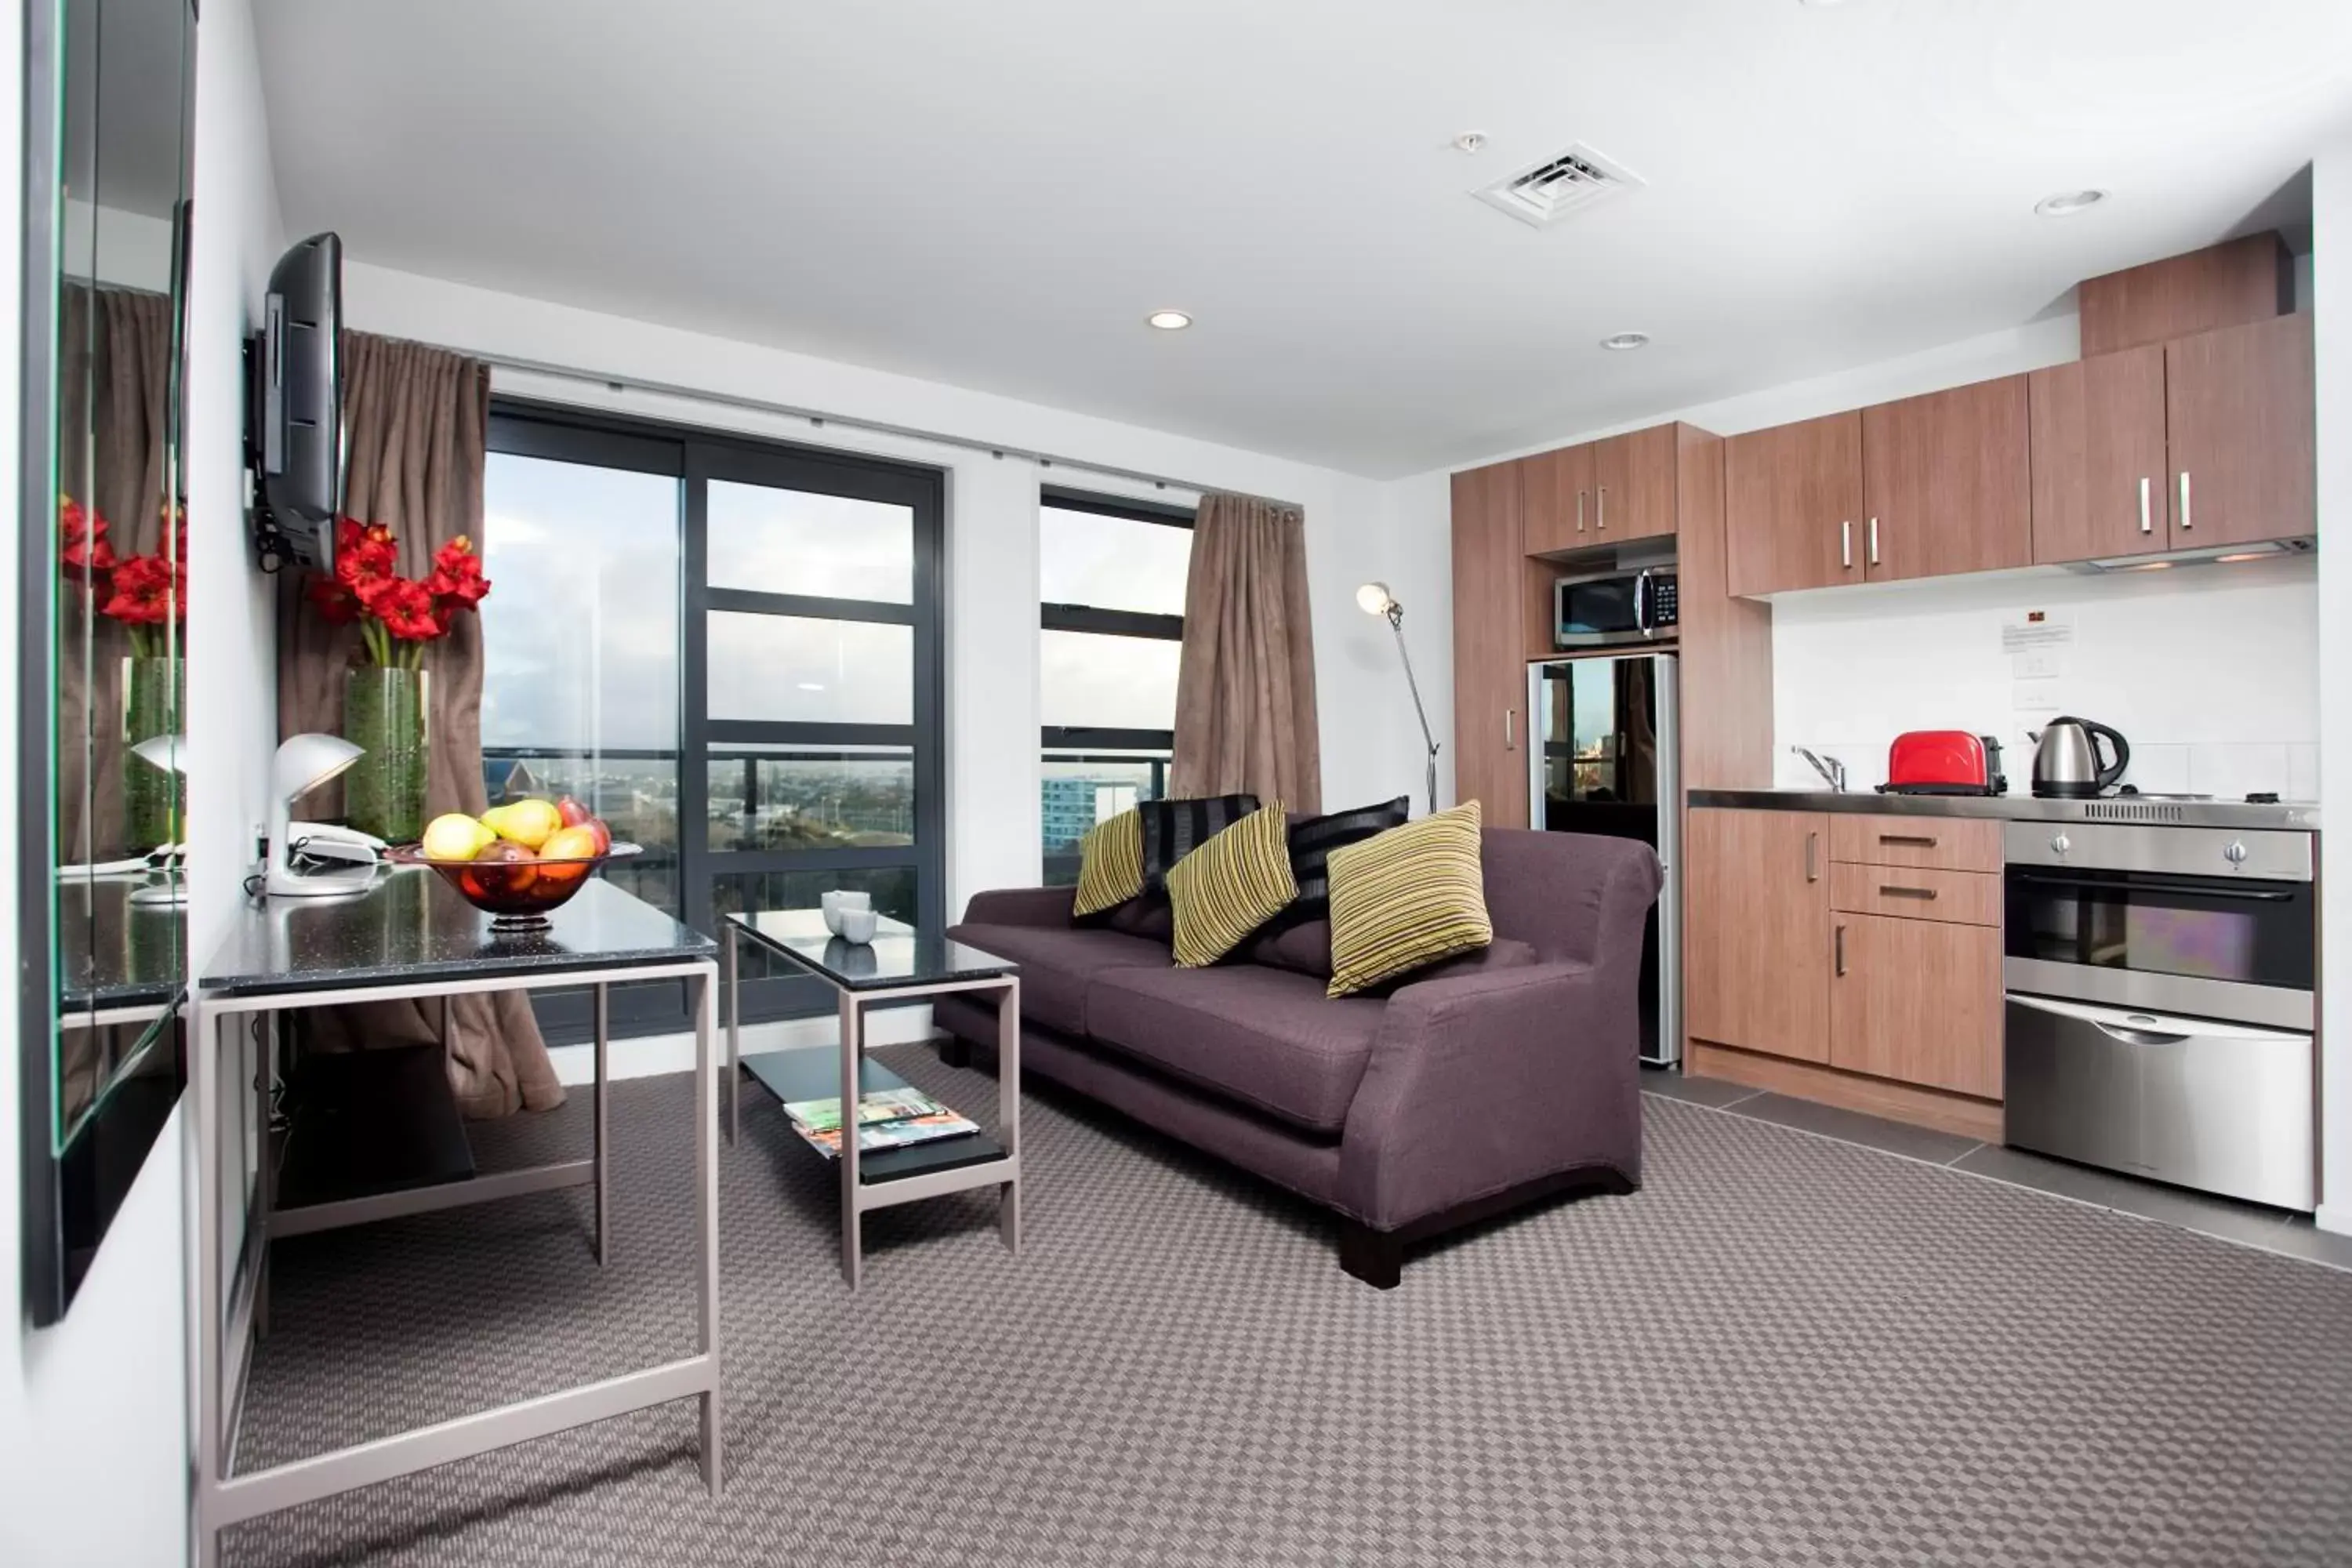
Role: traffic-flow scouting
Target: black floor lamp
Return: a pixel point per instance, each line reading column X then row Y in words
column 1377, row 600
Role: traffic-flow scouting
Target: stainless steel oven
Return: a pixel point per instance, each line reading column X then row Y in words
column 2161, row 1002
column 1620, row 608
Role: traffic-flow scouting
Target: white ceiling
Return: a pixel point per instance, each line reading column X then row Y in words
column 996, row 194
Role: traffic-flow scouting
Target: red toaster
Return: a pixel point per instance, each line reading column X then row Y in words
column 1944, row 762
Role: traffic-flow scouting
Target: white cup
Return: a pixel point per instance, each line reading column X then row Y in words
column 835, row 902
column 858, row 925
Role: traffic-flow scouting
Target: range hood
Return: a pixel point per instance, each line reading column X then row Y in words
column 2206, row 555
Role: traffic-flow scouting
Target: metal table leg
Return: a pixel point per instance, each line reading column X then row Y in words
column 207, row 1362
column 705, row 1203
column 604, row 1073
column 734, row 1034
column 853, row 1052
column 1008, row 1108
column 265, row 1169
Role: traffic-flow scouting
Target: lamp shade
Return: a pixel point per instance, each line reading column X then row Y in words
column 305, row 761
column 1374, row 598
column 165, row 751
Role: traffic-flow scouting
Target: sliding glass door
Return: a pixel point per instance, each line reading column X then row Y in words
column 729, row 649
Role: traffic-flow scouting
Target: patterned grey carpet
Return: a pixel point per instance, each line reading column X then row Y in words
column 1784, row 1349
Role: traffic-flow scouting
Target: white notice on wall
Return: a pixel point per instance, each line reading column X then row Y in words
column 2035, row 629
column 2033, row 696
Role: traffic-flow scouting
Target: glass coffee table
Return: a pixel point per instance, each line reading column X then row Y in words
column 898, row 964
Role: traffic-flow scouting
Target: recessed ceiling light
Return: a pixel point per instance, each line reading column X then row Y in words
column 2069, row 202
column 1169, row 321
column 1470, row 141
column 1623, row 340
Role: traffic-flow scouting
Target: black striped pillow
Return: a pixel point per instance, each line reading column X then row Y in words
column 1312, row 839
column 1174, row 828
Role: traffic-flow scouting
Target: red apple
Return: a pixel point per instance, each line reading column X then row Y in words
column 595, row 825
column 572, row 813
column 508, row 864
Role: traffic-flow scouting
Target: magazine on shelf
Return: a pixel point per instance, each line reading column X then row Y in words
column 879, row 1105
column 902, row 1133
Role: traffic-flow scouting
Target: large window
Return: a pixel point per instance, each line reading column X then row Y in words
column 730, row 649
column 1111, row 577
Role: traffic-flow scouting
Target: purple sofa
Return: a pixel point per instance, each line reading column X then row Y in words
column 1481, row 1084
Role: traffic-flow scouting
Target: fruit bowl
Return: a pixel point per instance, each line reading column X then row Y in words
column 518, row 893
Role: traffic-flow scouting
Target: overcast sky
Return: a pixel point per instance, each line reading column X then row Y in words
column 580, row 629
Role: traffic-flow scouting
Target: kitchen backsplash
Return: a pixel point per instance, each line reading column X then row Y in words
column 2210, row 672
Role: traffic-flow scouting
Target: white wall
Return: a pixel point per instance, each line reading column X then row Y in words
column 93, row 1413
column 1370, row 749
column 2331, row 292
column 2211, row 673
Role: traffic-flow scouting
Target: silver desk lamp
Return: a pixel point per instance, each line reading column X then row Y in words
column 303, row 764
column 1376, row 600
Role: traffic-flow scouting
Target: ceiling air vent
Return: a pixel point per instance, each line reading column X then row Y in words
column 1544, row 193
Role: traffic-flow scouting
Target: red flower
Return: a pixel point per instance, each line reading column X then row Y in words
column 458, row 577
column 144, row 592
column 407, row 610
column 83, row 552
column 365, row 556
column 334, row 602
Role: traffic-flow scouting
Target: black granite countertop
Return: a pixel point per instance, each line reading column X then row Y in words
column 897, row 956
column 114, row 953
column 2289, row 816
column 412, row 927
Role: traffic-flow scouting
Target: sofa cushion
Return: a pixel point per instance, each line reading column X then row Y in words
column 1111, row 865
column 1145, row 916
column 1407, row 898
column 1058, row 965
column 1229, row 887
column 1303, row 949
column 1173, row 829
column 1312, row 839
column 1268, row 1038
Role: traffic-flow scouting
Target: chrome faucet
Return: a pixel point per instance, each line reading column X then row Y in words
column 1833, row 772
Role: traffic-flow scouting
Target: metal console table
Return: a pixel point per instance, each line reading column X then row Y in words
column 898, row 965
column 411, row 937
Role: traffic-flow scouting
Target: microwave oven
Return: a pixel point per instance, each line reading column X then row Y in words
column 1603, row 609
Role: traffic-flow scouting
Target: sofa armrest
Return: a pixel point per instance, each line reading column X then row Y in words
column 1047, row 907
column 1478, row 1083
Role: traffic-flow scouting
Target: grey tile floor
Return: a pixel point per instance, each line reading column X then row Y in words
column 2250, row 1225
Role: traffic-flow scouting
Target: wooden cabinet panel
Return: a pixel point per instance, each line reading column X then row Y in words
column 1946, row 482
column 1918, row 1000
column 2101, row 485
column 2239, row 407
column 1792, row 505
column 1933, row 843
column 1490, row 686
column 1634, row 485
column 1755, row 936
column 1556, row 488
column 1908, row 892
column 2248, row 280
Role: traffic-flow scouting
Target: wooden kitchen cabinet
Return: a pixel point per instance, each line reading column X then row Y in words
column 1556, row 490
column 1792, row 505
column 2101, row 483
column 1633, row 489
column 1918, row 1001
column 1947, row 483
column 1490, row 670
column 1756, row 930
column 2238, row 413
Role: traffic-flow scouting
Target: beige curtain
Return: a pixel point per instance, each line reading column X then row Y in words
column 115, row 365
column 416, row 424
column 1245, row 689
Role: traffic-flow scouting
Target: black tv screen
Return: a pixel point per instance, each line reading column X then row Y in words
column 302, row 400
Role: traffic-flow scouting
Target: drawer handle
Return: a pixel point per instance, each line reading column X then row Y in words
column 1906, row 892
column 1813, row 864
column 1917, row 840
column 1840, row 950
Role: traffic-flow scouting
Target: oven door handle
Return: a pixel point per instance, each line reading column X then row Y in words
column 2216, row 889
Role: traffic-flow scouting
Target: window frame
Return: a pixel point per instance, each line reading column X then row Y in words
column 696, row 456
column 1084, row 740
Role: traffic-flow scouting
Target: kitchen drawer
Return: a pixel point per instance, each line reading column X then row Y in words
column 1910, row 893
column 1934, row 842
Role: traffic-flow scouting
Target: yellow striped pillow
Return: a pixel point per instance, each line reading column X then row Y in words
column 1232, row 884
column 1111, row 864
column 1407, row 897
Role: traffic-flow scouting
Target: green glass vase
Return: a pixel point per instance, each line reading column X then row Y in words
column 384, row 715
column 153, row 801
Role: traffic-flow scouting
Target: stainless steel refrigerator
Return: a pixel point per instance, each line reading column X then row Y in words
column 1605, row 761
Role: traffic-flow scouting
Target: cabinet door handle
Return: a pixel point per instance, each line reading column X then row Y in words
column 2146, row 514
column 1886, row 891
column 1580, row 511
column 2185, row 523
column 1845, row 544
column 1601, row 508
column 1841, row 951
column 1813, row 857
column 1509, row 743
column 1874, row 541
column 1917, row 840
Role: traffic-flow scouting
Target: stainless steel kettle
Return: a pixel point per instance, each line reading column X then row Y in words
column 2066, row 758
